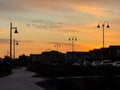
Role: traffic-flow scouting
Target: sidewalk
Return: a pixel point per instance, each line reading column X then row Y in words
column 20, row 79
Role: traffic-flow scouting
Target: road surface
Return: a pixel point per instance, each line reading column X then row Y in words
column 20, row 79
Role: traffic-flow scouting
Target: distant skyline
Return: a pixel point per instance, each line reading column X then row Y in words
column 43, row 23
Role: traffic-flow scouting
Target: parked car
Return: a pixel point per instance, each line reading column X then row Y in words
column 76, row 64
column 107, row 63
column 87, row 63
column 116, row 64
column 97, row 63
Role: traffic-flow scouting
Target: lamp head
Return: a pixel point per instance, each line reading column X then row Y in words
column 69, row 39
column 108, row 26
column 75, row 39
column 98, row 26
column 15, row 31
column 17, row 43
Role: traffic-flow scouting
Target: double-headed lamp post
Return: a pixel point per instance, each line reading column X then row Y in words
column 103, row 24
column 48, row 49
column 73, row 39
column 11, row 28
column 57, row 45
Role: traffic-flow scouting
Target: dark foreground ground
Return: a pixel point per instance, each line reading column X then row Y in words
column 5, row 69
column 90, row 78
column 85, row 83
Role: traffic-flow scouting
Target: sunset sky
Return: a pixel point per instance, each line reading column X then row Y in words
column 44, row 23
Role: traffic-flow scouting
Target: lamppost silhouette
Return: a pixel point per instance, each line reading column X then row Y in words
column 105, row 23
column 11, row 28
column 8, row 53
column 57, row 45
column 73, row 39
column 14, row 44
column 48, row 49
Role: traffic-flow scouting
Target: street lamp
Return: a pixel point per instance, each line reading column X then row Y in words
column 57, row 46
column 73, row 39
column 14, row 43
column 11, row 27
column 105, row 23
column 48, row 49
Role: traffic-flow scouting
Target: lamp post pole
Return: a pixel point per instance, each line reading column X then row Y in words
column 103, row 27
column 73, row 39
column 10, row 41
column 103, row 24
column 14, row 51
column 11, row 27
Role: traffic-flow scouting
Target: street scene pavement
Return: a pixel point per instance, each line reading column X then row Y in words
column 20, row 79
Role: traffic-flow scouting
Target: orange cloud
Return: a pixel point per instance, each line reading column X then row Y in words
column 93, row 7
column 93, row 10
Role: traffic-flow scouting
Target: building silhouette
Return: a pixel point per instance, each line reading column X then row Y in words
column 55, row 57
